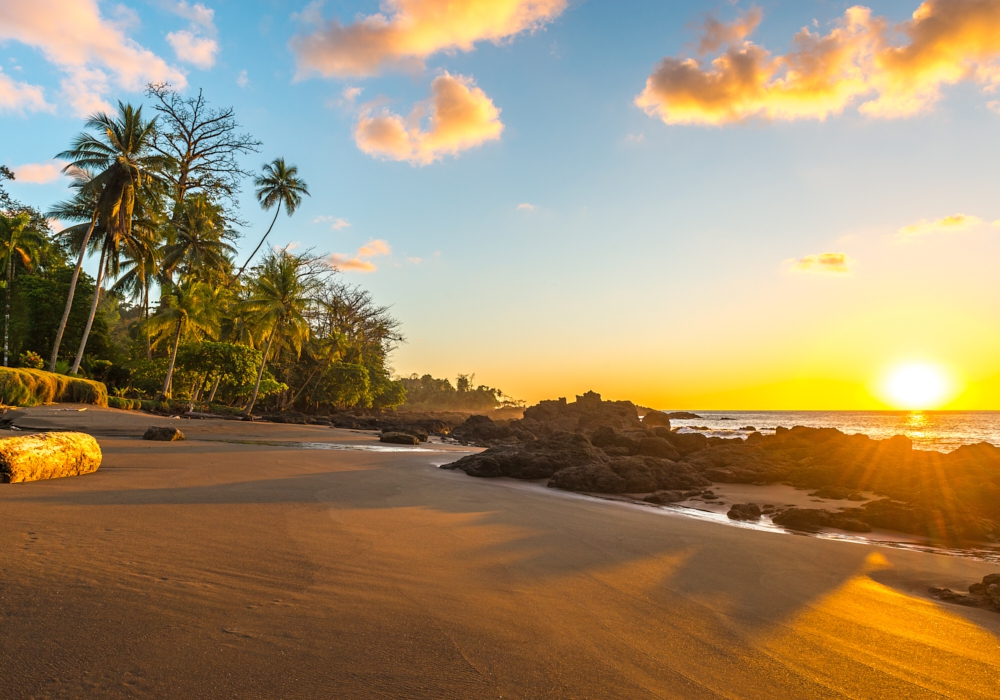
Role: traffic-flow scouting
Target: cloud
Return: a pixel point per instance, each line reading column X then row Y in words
column 856, row 63
column 91, row 50
column 360, row 261
column 18, row 97
column 526, row 207
column 408, row 31
column 196, row 45
column 716, row 34
column 459, row 116
column 824, row 263
column 351, row 93
column 336, row 223
column 241, row 79
column 949, row 224
column 38, row 173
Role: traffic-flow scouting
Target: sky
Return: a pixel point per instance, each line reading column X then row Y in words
column 715, row 205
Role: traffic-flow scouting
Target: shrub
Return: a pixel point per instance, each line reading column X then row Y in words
column 124, row 404
column 32, row 387
column 31, row 360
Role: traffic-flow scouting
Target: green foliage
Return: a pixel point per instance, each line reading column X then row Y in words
column 432, row 394
column 30, row 360
column 124, row 404
column 30, row 387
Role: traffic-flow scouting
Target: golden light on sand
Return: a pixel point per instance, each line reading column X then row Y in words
column 918, row 386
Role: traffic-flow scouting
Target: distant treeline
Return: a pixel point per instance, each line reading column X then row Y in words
column 430, row 394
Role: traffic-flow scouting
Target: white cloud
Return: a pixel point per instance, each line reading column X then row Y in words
column 19, row 97
column 92, row 51
column 38, row 173
column 526, row 207
column 336, row 223
column 824, row 263
column 196, row 45
column 242, row 80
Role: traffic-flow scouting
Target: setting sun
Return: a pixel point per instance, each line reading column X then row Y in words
column 917, row 386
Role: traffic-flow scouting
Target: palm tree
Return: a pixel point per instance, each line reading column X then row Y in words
column 122, row 157
column 324, row 352
column 278, row 184
column 199, row 247
column 278, row 299
column 19, row 243
column 187, row 307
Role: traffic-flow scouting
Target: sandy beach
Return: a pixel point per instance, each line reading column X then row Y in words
column 248, row 562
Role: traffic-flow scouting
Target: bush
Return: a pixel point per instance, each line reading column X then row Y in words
column 124, row 404
column 31, row 360
column 32, row 387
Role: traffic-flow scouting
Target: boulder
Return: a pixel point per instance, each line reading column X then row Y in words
column 814, row 519
column 662, row 498
column 399, row 439
column 482, row 430
column 646, row 474
column 595, row 478
column 656, row 418
column 539, row 459
column 981, row 595
column 744, row 511
column 163, row 434
column 47, row 456
column 658, row 447
column 586, row 414
column 683, row 415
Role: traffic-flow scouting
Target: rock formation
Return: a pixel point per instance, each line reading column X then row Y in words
column 47, row 456
column 163, row 434
column 399, row 438
column 981, row 595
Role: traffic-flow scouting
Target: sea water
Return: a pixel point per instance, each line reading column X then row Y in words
column 943, row 431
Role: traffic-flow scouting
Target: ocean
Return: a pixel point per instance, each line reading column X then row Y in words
column 943, row 431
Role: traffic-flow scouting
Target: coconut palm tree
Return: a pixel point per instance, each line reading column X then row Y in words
column 199, row 247
column 139, row 270
column 20, row 243
column 123, row 162
column 279, row 184
column 277, row 301
column 185, row 308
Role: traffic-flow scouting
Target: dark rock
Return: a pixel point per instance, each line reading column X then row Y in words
column 163, row 434
column 595, row 478
column 482, row 430
column 655, row 418
column 658, row 447
column 981, row 595
column 419, row 433
column 835, row 493
column 683, row 415
column 586, row 414
column 604, row 436
column 399, row 438
column 805, row 519
column 665, row 497
column 744, row 511
column 749, row 428
column 535, row 460
column 687, row 443
column 645, row 474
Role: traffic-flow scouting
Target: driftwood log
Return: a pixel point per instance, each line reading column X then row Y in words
column 47, row 456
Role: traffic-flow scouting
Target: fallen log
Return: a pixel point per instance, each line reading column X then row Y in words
column 47, row 456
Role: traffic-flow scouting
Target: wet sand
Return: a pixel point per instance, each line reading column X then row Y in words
column 223, row 569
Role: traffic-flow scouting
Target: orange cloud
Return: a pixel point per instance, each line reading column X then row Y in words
column 38, row 173
column 948, row 41
column 716, row 34
column 460, row 116
column 196, row 45
column 74, row 36
column 408, row 31
column 360, row 261
column 836, row 263
column 949, row 224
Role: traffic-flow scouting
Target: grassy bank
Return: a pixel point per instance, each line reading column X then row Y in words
column 170, row 406
column 33, row 387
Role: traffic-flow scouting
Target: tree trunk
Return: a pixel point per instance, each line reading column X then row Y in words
column 304, row 385
column 145, row 306
column 72, row 292
column 260, row 374
column 170, row 368
column 215, row 387
column 6, row 314
column 259, row 244
column 93, row 311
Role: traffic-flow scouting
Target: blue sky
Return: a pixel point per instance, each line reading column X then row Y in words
column 664, row 262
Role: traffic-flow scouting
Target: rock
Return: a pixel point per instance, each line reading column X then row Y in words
column 655, row 418
column 683, row 415
column 482, row 430
column 47, row 456
column 586, row 415
column 596, row 478
column 744, row 511
column 836, row 493
column 645, row 474
column 419, row 433
column 658, row 447
column 749, row 429
column 665, row 497
column 687, row 443
column 163, row 434
column 805, row 519
column 399, row 438
column 981, row 595
column 534, row 460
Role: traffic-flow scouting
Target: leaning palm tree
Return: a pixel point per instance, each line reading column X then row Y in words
column 279, row 184
column 20, row 243
column 277, row 301
column 124, row 162
column 185, row 308
column 199, row 246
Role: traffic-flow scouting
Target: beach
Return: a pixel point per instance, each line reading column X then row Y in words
column 248, row 561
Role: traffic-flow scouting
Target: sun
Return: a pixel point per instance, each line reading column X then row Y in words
column 917, row 386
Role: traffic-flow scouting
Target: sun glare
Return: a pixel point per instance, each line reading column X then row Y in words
column 917, row 386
